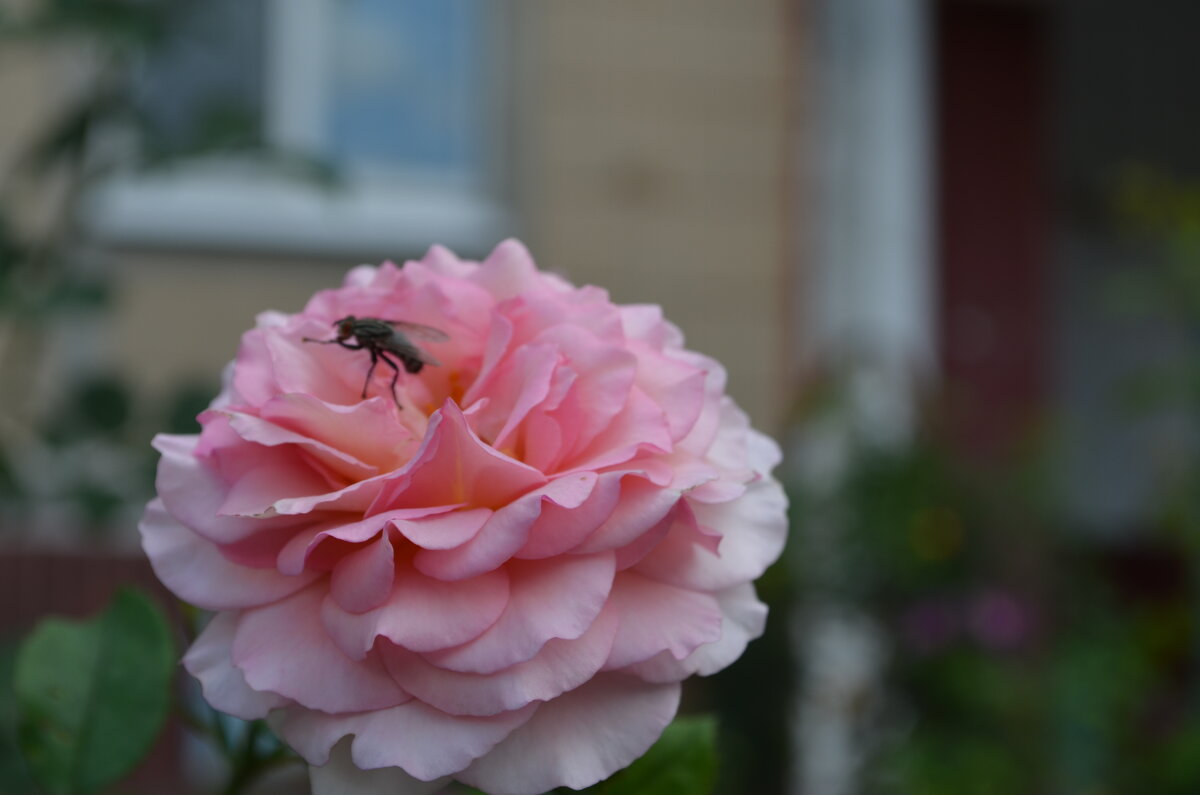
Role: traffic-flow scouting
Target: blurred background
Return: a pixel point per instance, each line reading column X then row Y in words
column 949, row 251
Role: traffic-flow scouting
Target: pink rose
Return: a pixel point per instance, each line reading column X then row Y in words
column 501, row 574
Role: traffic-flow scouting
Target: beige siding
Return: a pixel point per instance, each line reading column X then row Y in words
column 180, row 317
column 656, row 160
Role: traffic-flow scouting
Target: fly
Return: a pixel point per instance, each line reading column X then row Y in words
column 386, row 341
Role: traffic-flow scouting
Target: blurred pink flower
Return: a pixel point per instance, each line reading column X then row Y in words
column 999, row 620
column 500, row 576
column 928, row 626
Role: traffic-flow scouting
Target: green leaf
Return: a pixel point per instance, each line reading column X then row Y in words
column 14, row 776
column 683, row 761
column 92, row 696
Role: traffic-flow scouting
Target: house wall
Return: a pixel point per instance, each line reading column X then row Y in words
column 656, row 166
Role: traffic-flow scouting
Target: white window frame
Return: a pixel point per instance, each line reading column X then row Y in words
column 872, row 300
column 870, row 319
column 238, row 204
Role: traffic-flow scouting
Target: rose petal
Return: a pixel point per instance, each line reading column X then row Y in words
column 499, row 336
column 455, row 466
column 501, row 535
column 655, row 617
column 604, row 378
column 326, row 372
column 252, row 376
column 700, row 437
column 578, row 738
column 641, row 426
column 421, row 613
column 283, row 648
column 558, row 666
column 562, row 528
column 729, row 450
column 340, row 776
column 677, row 386
column 277, row 479
column 508, row 271
column 264, row 432
column 261, row 550
column 367, row 431
column 444, row 262
column 645, row 322
column 356, row 497
column 642, row 506
column 423, row 741
column 223, row 685
column 192, row 493
column 543, row 441
column 753, row 527
column 558, row 304
column 632, row 553
column 293, row 557
column 506, row 531
column 521, row 382
column 744, row 620
column 444, row 531
column 763, row 451
column 547, row 599
column 363, row 579
column 196, row 571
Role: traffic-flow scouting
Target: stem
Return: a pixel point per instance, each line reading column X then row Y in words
column 190, row 719
column 248, row 766
column 190, row 625
column 218, row 730
column 244, row 767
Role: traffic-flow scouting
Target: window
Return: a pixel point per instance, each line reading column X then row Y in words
column 399, row 97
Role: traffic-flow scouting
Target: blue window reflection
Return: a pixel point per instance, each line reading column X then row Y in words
column 407, row 84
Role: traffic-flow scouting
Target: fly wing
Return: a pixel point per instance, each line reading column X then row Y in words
column 419, row 331
column 401, row 344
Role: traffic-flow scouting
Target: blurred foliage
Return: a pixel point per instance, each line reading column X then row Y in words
column 93, row 695
column 81, row 702
column 1026, row 655
column 1023, row 657
column 14, row 774
column 132, row 25
column 79, row 449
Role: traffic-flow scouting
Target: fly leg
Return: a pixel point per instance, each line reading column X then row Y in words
column 395, row 374
column 375, row 356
